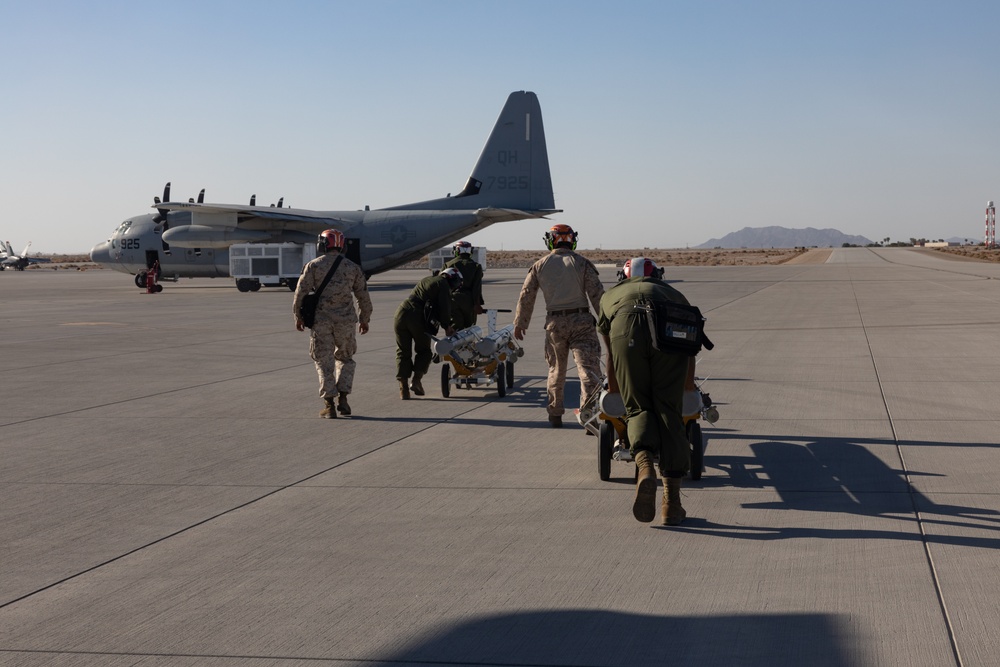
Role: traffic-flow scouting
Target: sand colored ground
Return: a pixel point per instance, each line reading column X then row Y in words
column 675, row 257
column 510, row 259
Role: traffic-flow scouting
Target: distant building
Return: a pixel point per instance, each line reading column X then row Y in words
column 940, row 244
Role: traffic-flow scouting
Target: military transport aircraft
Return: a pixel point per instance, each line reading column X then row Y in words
column 19, row 262
column 511, row 181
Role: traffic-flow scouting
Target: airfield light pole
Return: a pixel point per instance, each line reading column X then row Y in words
column 991, row 226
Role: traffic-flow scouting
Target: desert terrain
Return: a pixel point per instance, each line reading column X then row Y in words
column 512, row 259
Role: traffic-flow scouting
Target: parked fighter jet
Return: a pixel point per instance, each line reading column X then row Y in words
column 18, row 262
column 511, row 181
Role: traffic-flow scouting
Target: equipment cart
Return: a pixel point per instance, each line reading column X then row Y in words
column 604, row 416
column 478, row 359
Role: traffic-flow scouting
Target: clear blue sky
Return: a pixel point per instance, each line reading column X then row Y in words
column 668, row 123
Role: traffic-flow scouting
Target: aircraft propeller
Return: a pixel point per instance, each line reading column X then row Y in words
column 162, row 212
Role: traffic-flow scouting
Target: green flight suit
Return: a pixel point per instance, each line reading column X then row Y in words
column 651, row 381
column 409, row 325
column 465, row 300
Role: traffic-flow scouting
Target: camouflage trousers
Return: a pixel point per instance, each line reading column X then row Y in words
column 578, row 333
column 332, row 346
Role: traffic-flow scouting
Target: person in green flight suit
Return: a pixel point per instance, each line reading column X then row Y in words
column 467, row 302
column 432, row 294
column 652, row 383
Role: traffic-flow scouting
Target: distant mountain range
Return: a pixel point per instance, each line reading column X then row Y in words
column 782, row 237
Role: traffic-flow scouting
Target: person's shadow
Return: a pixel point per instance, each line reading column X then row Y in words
column 839, row 475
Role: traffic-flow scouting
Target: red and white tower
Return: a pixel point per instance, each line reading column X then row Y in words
column 991, row 226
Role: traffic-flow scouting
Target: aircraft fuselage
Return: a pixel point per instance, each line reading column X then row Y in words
column 510, row 181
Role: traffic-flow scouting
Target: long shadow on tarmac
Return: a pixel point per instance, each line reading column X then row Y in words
column 838, row 475
column 581, row 637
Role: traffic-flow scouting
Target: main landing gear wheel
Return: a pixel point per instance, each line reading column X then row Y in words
column 605, row 443
column 501, row 382
column 446, row 379
column 697, row 449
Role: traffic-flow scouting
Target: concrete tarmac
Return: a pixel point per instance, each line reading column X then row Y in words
column 169, row 497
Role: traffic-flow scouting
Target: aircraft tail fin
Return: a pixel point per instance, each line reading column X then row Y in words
column 24, row 253
column 10, row 251
column 513, row 169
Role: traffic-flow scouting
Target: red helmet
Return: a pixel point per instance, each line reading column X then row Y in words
column 463, row 248
column 331, row 239
column 640, row 266
column 454, row 278
column 560, row 234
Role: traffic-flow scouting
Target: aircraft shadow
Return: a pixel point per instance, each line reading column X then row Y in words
column 598, row 637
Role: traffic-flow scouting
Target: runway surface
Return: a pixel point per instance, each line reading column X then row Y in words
column 168, row 495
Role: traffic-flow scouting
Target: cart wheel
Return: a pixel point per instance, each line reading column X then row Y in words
column 605, row 443
column 446, row 379
column 697, row 449
column 254, row 285
column 243, row 284
column 140, row 280
column 158, row 288
column 291, row 284
column 501, row 382
column 510, row 374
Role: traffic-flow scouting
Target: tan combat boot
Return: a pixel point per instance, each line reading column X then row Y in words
column 342, row 405
column 328, row 411
column 417, row 388
column 644, row 507
column 673, row 513
column 404, row 390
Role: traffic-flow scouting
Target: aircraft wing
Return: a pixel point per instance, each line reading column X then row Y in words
column 269, row 212
column 507, row 214
column 36, row 260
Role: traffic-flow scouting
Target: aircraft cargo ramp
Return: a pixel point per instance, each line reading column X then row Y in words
column 169, row 497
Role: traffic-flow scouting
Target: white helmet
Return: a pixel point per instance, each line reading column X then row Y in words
column 641, row 266
column 454, row 277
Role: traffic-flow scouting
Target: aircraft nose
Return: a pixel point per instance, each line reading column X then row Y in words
column 101, row 253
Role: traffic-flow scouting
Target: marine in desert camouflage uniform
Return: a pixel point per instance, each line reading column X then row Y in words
column 333, row 342
column 567, row 281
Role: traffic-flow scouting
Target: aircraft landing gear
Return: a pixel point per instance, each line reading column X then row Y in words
column 140, row 280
